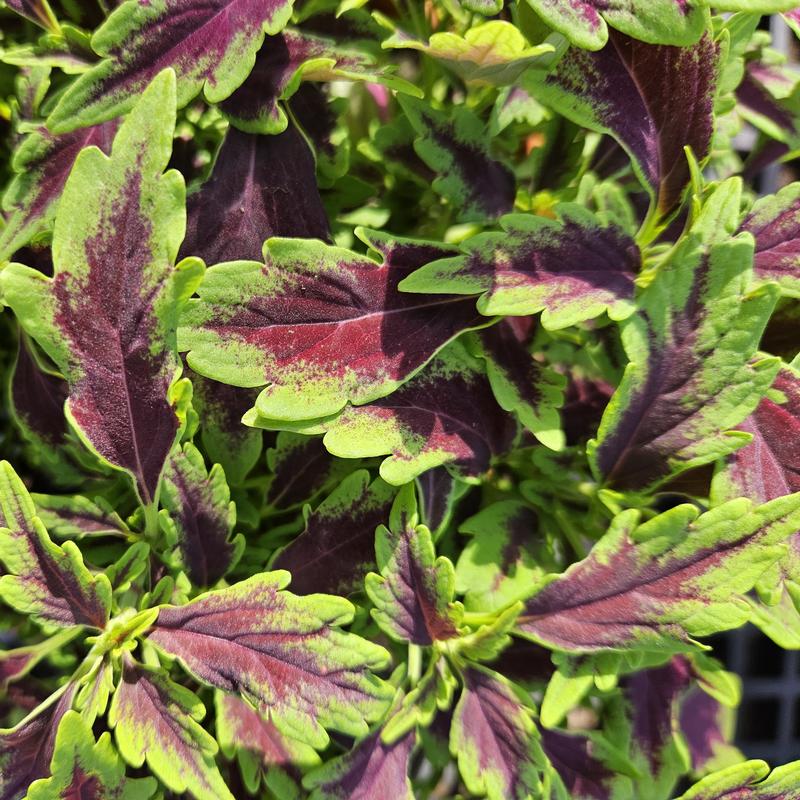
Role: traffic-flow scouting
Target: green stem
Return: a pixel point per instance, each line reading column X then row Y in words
column 414, row 664
column 151, row 527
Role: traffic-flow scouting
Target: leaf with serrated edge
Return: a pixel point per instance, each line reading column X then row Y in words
column 82, row 768
column 690, row 378
column 157, row 721
column 47, row 581
column 751, row 780
column 210, row 45
column 572, row 268
column 413, row 595
column 282, row 652
column 654, row 585
column 351, row 334
column 108, row 317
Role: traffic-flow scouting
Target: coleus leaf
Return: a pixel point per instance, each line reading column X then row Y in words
column 18, row 662
column 446, row 415
column 521, row 383
column 690, row 378
column 263, row 752
column 281, row 652
column 26, row 749
column 336, row 549
column 372, row 768
column 572, row 268
column 751, row 780
column 37, row 11
column 42, row 163
column 47, row 581
column 108, row 317
column 579, row 772
column 494, row 738
column 585, row 22
column 74, row 516
column 493, row 53
column 287, row 59
column 654, row 585
column 157, row 721
column 706, row 727
column 655, row 100
column 413, row 595
column 478, row 186
column 774, row 222
column 769, row 466
column 261, row 186
column 201, row 516
column 238, row 331
column 226, row 440
column 439, row 494
column 210, row 45
column 503, row 558
column 83, row 769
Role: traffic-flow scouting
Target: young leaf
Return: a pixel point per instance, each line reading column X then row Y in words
column 351, row 334
column 493, row 53
column 158, row 721
column 226, row 440
column 282, row 652
column 210, row 45
column 49, row 582
column 26, row 749
column 336, row 549
column 521, row 383
column 261, row 186
column 478, row 186
column 751, row 780
column 571, row 268
column 413, row 595
column 18, row 662
column 439, row 493
column 201, row 516
column 690, row 377
column 73, row 516
column 445, row 415
column 654, row 585
column 494, row 738
column 774, row 222
column 83, row 768
column 654, row 100
column 108, row 317
column 371, row 769
column 585, row 22
column 43, row 163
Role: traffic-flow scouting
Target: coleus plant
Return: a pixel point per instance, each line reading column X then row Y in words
column 397, row 397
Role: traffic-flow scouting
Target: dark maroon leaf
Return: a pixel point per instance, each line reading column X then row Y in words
column 584, row 403
column 261, row 186
column 37, row 11
column 336, row 550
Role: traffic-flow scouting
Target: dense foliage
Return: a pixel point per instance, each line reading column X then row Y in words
column 398, row 397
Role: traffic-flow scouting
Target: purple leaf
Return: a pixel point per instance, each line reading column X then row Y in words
column 37, row 11
column 571, row 267
column 372, row 769
column 43, row 163
column 336, row 549
column 281, row 652
column 702, row 725
column 774, row 221
column 73, row 516
column 26, row 749
column 494, row 738
column 108, row 317
column 584, row 403
column 656, row 584
column 302, row 468
column 583, row 775
column 261, row 186
column 413, row 595
column 264, row 753
column 48, row 582
column 202, row 516
column 439, row 494
column 655, row 100
column 226, row 439
column 210, row 44
column 158, row 721
column 445, row 415
column 478, row 186
column 351, row 334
